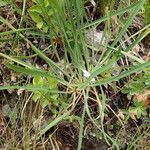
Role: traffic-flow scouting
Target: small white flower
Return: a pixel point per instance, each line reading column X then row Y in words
column 86, row 74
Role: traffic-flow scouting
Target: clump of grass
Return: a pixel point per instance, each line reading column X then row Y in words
column 75, row 70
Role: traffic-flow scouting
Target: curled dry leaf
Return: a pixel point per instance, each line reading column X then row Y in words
column 145, row 97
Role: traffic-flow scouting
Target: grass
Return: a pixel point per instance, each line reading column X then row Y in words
column 68, row 21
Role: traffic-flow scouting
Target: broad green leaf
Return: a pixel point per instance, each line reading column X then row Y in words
column 36, row 9
column 36, row 17
column 38, row 80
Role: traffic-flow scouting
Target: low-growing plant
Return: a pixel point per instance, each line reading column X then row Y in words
column 136, row 111
column 134, row 88
column 138, row 84
column 43, row 14
column 46, row 98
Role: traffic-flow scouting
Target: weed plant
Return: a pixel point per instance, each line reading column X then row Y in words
column 78, row 70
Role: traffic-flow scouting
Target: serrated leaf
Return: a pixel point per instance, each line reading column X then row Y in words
column 133, row 88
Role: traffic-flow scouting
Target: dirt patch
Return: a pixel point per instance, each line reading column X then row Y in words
column 67, row 137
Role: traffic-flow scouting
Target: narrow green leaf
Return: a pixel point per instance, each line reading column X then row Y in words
column 123, row 74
